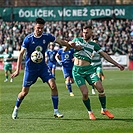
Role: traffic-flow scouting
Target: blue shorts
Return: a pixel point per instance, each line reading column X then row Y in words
column 30, row 77
column 51, row 65
column 67, row 72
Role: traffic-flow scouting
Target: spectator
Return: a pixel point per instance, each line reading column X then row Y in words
column 113, row 35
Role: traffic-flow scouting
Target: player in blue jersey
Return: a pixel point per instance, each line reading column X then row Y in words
column 65, row 58
column 50, row 58
column 84, row 72
column 38, row 40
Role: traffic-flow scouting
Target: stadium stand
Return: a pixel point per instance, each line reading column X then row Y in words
column 114, row 37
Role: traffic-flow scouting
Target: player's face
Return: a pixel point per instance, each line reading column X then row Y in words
column 38, row 29
column 51, row 47
column 87, row 33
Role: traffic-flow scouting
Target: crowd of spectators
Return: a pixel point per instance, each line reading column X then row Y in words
column 114, row 36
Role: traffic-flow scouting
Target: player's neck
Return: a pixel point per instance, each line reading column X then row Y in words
column 37, row 35
column 87, row 39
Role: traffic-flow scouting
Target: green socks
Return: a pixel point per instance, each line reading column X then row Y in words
column 87, row 104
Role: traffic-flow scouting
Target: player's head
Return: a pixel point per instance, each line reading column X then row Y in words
column 6, row 50
column 39, row 27
column 87, row 32
column 51, row 45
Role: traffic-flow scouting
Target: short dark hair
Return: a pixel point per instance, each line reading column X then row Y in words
column 40, row 21
column 87, row 26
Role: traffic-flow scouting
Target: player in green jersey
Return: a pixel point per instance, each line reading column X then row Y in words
column 84, row 71
column 7, row 59
column 97, row 63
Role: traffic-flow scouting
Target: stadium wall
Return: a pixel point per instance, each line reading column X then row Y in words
column 121, row 59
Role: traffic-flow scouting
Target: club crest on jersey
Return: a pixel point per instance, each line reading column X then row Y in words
column 44, row 41
column 67, row 56
column 38, row 48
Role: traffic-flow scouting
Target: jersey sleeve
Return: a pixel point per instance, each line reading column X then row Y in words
column 59, row 51
column 52, row 38
column 74, row 40
column 25, row 42
column 97, row 48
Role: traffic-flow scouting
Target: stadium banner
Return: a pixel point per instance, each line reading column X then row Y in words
column 66, row 13
column 121, row 59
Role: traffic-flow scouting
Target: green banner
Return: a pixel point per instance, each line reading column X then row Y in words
column 66, row 13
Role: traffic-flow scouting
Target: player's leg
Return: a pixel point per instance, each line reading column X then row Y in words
column 10, row 70
column 53, row 70
column 6, row 73
column 102, row 98
column 46, row 76
column 68, row 75
column 72, row 80
column 6, row 76
column 55, row 99
column 29, row 79
column 68, row 85
column 86, row 101
column 19, row 100
column 80, row 81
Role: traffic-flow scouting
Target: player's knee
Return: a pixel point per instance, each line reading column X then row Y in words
column 85, row 95
column 67, row 83
column 53, row 86
column 23, row 94
column 102, row 93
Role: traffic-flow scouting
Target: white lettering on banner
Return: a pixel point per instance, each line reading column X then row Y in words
column 64, row 12
column 36, row 13
column 121, row 59
column 74, row 12
column 107, row 12
column 70, row 12
column 85, row 11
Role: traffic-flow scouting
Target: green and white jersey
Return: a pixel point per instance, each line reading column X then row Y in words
column 87, row 49
column 96, row 59
column 5, row 57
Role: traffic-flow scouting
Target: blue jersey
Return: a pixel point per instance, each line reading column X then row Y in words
column 66, row 58
column 32, row 43
column 51, row 56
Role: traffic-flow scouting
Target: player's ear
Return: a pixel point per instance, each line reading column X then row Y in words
column 34, row 26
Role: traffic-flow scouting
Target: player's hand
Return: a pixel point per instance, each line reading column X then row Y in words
column 73, row 45
column 121, row 67
column 59, row 62
column 15, row 74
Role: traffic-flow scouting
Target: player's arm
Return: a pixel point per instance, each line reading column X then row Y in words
column 68, row 44
column 19, row 61
column 46, row 57
column 57, row 57
column 109, row 59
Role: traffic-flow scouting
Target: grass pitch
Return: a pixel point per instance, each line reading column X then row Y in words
column 36, row 111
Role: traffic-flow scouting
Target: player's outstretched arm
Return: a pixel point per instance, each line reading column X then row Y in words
column 68, row 44
column 109, row 59
column 19, row 61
